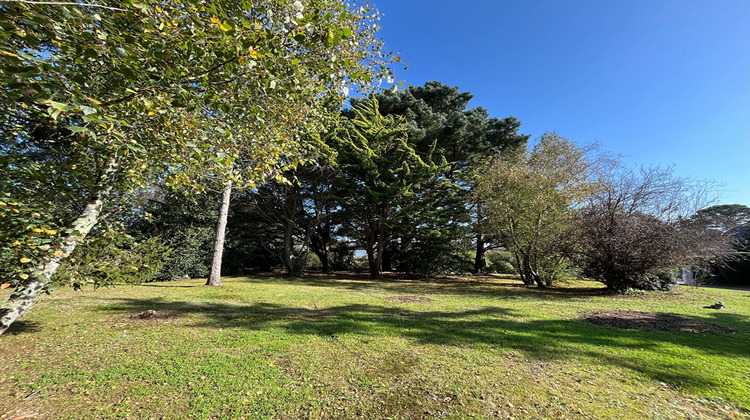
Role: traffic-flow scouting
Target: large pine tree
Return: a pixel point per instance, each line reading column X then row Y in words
column 438, row 116
column 380, row 171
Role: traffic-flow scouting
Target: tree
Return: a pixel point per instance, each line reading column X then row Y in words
column 75, row 121
column 281, row 205
column 101, row 100
column 378, row 171
column 723, row 217
column 323, row 210
column 733, row 221
column 438, row 116
column 319, row 48
column 635, row 231
column 529, row 201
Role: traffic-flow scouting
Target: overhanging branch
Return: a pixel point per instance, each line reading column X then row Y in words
column 62, row 3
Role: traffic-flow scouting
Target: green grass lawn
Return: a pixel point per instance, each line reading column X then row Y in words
column 316, row 347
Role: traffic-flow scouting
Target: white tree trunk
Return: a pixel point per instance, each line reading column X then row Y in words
column 22, row 299
column 214, row 279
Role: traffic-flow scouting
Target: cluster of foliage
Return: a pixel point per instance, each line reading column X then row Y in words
column 500, row 262
column 732, row 221
column 561, row 211
column 183, row 223
column 380, row 174
column 636, row 232
column 449, row 217
column 113, row 258
column 530, row 200
column 558, row 211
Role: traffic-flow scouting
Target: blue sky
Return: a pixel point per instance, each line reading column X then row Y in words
column 660, row 82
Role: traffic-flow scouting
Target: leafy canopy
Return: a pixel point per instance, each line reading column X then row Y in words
column 101, row 101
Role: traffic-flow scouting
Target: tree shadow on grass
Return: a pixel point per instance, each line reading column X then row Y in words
column 738, row 322
column 479, row 286
column 23, row 327
column 161, row 284
column 497, row 327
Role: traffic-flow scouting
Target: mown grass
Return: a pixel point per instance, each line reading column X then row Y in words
column 319, row 347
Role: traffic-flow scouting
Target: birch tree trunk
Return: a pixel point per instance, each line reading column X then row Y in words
column 23, row 297
column 21, row 300
column 214, row 279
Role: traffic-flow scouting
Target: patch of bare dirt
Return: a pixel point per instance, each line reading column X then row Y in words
column 151, row 314
column 650, row 321
column 421, row 299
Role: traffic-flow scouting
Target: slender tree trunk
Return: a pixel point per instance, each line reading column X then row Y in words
column 480, row 262
column 290, row 262
column 534, row 268
column 22, row 299
column 519, row 267
column 388, row 254
column 293, row 262
column 371, row 258
column 214, row 278
column 320, row 244
column 378, row 269
column 323, row 253
column 324, row 258
column 525, row 269
column 530, row 276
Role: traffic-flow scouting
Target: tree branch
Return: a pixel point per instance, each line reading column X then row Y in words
column 205, row 72
column 115, row 101
column 63, row 3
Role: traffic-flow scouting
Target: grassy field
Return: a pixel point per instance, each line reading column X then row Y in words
column 316, row 347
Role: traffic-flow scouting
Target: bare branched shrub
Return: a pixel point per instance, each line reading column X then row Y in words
column 636, row 230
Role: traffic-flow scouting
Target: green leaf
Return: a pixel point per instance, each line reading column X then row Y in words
column 87, row 110
column 62, row 107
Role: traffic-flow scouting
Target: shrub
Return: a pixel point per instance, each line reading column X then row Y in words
column 342, row 256
column 192, row 254
column 113, row 258
column 635, row 230
column 434, row 254
column 312, row 261
column 500, row 262
column 664, row 280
